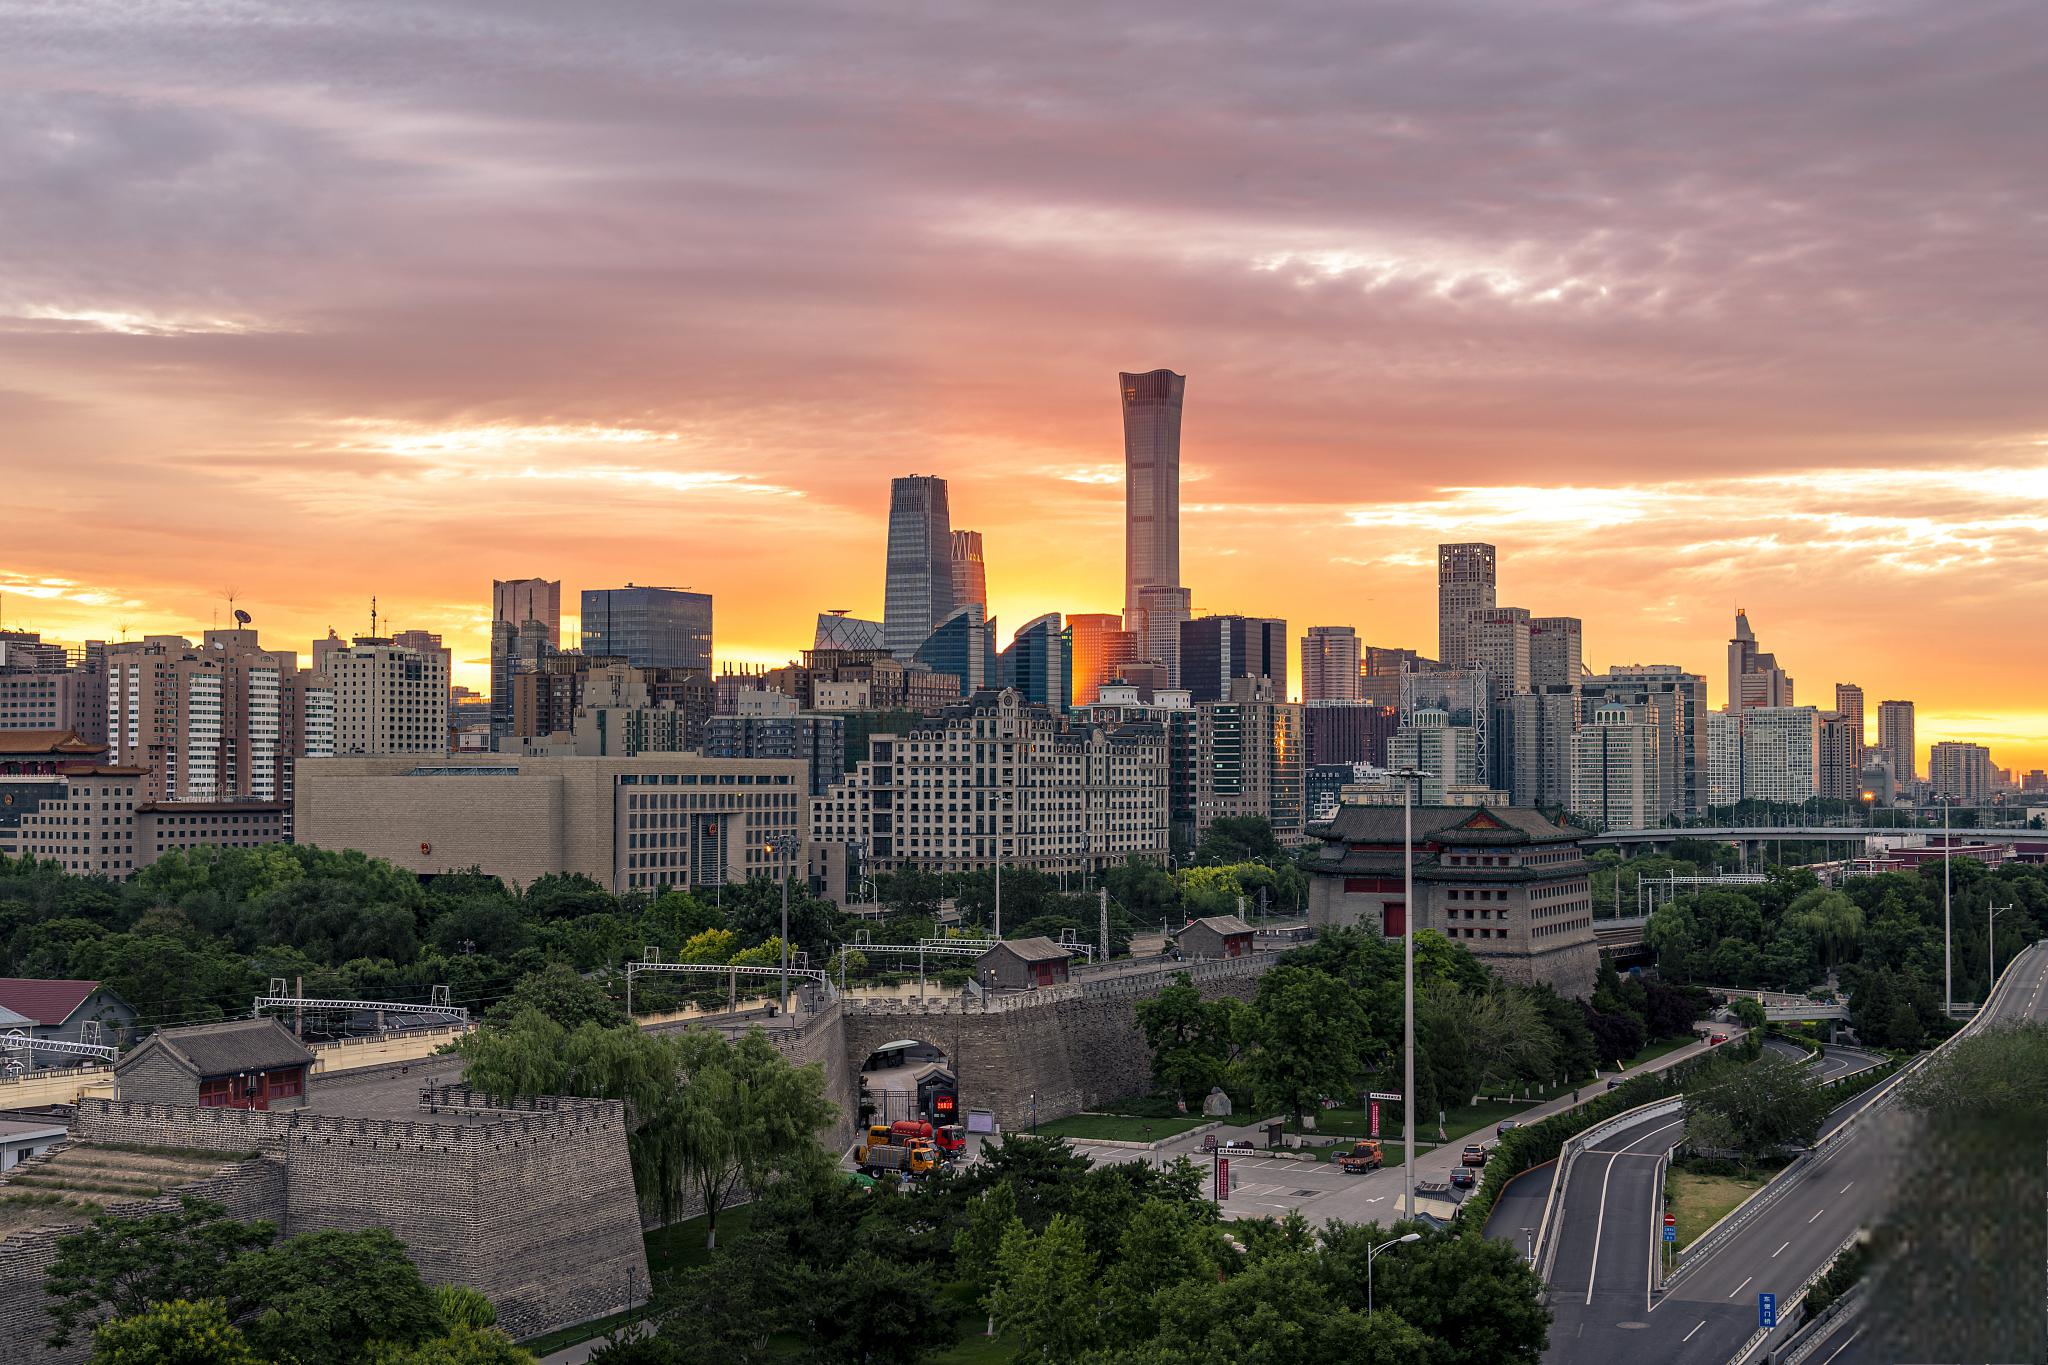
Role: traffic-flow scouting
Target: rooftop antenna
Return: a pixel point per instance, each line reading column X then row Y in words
column 373, row 616
column 231, row 592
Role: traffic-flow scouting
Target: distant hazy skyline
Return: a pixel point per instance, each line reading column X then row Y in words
column 1684, row 306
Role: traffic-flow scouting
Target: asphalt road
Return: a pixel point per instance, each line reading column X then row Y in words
column 1519, row 1208
column 1707, row 1316
column 1606, row 1229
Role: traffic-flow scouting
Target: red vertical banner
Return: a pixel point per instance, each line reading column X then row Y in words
column 1375, row 1118
column 1222, row 1178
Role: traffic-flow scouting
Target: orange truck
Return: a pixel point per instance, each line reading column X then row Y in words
column 950, row 1139
column 1364, row 1156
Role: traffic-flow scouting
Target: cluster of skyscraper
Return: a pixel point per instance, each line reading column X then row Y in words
column 1126, row 731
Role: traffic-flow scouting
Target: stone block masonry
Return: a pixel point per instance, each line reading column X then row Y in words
column 1073, row 1047
column 532, row 1206
column 250, row 1189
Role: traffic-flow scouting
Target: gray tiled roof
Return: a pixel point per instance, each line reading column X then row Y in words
column 1449, row 824
column 1222, row 924
column 1033, row 950
column 235, row 1046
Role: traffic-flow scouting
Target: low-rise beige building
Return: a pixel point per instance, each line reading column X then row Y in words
column 631, row 824
column 98, row 821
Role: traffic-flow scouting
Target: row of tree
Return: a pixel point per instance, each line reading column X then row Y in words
column 1877, row 939
column 193, row 1286
column 1115, row 1265
column 1327, row 1023
column 198, row 932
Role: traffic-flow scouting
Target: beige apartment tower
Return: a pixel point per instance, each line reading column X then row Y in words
column 1464, row 591
column 1330, row 665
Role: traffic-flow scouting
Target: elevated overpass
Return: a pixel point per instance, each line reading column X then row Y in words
column 1634, row 842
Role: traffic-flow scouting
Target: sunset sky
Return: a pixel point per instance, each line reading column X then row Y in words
column 1684, row 306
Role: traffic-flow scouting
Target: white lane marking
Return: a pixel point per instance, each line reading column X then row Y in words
column 1816, row 1213
column 1845, row 1188
column 1599, row 1225
column 1843, row 1347
column 1738, row 1288
column 1688, row 1336
column 1774, row 1255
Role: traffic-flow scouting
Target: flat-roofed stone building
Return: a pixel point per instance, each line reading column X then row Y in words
column 642, row 823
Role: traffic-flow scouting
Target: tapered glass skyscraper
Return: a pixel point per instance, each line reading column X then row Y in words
column 918, row 592
column 1154, row 602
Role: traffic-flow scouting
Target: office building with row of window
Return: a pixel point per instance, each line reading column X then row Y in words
column 997, row 778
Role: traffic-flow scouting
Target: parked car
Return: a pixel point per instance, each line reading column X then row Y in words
column 1475, row 1154
column 1464, row 1178
column 1717, row 1040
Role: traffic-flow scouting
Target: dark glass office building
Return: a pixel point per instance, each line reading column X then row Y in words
column 1216, row 649
column 648, row 627
column 1040, row 663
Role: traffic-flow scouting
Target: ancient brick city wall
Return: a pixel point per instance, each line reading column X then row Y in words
column 1072, row 1047
column 532, row 1207
column 250, row 1189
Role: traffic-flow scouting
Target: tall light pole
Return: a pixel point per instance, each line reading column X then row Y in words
column 1948, row 995
column 1374, row 1255
column 1409, row 777
column 784, row 845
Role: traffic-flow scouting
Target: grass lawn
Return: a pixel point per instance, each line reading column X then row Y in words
column 1458, row 1123
column 1656, row 1050
column 976, row 1349
column 670, row 1251
column 1120, row 1127
column 1700, row 1201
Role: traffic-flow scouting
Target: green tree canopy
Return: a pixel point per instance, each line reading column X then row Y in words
column 174, row 1332
column 118, row 1267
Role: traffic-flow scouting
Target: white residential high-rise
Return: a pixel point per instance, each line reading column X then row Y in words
column 1724, row 758
column 1429, row 742
column 1614, row 769
column 1780, row 753
column 1962, row 772
column 388, row 699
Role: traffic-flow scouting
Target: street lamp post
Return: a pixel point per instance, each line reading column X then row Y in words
column 1374, row 1255
column 1409, row 777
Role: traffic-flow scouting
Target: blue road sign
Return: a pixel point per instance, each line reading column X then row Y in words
column 1767, row 1310
column 1670, row 1233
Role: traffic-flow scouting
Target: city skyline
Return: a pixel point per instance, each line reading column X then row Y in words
column 320, row 342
